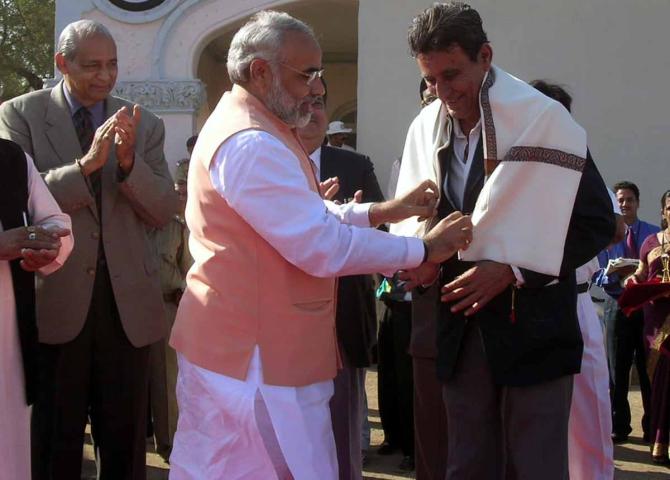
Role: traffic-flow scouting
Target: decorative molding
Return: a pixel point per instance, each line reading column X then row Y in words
column 171, row 96
column 136, row 11
column 181, row 15
column 163, row 95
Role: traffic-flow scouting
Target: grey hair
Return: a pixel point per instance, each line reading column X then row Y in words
column 261, row 37
column 75, row 32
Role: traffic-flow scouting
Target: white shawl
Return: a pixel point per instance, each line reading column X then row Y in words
column 534, row 155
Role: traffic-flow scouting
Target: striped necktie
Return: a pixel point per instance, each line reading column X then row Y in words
column 83, row 125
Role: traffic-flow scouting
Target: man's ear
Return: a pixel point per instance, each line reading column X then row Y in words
column 260, row 73
column 61, row 63
column 486, row 54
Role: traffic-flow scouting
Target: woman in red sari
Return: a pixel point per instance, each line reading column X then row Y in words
column 654, row 253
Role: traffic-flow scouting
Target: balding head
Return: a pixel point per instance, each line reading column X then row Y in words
column 76, row 32
column 86, row 56
column 263, row 36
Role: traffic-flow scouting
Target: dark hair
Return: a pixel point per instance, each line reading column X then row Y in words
column 190, row 143
column 444, row 25
column 625, row 185
column 555, row 91
column 664, row 198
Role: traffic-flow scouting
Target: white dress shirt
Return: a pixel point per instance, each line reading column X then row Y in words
column 262, row 181
column 586, row 271
column 316, row 158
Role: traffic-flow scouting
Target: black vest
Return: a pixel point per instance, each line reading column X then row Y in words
column 13, row 202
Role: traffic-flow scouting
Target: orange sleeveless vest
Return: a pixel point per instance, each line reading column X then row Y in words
column 240, row 291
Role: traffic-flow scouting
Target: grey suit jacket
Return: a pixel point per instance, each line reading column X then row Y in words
column 41, row 123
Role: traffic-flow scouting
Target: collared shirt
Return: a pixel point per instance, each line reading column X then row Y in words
column 261, row 179
column 316, row 158
column 612, row 283
column 97, row 109
column 459, row 168
column 587, row 271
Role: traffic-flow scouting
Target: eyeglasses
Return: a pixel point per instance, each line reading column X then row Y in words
column 310, row 76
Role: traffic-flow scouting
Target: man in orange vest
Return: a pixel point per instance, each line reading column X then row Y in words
column 255, row 329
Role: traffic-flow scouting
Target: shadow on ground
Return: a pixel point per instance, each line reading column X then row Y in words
column 632, row 459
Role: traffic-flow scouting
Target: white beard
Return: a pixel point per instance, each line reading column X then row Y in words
column 284, row 106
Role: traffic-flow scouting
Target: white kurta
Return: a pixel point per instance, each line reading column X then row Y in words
column 590, row 447
column 249, row 430
column 14, row 413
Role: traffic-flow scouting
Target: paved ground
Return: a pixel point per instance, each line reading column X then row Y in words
column 632, row 459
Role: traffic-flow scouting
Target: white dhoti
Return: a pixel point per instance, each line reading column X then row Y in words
column 247, row 430
column 590, row 427
column 14, row 413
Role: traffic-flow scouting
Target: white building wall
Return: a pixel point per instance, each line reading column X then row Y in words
column 611, row 54
column 388, row 80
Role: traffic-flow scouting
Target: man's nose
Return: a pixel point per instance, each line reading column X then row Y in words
column 317, row 87
column 442, row 89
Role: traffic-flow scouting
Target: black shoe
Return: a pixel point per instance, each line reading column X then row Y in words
column 660, row 459
column 618, row 438
column 365, row 459
column 386, row 449
column 407, row 464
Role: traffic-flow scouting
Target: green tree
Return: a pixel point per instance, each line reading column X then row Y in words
column 26, row 45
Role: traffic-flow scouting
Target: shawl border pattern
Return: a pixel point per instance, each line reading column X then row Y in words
column 489, row 125
column 546, row 155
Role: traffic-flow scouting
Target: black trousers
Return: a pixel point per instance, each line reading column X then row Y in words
column 430, row 422
column 98, row 374
column 395, row 377
column 625, row 345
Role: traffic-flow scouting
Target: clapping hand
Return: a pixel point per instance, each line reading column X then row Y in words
column 98, row 152
column 125, row 135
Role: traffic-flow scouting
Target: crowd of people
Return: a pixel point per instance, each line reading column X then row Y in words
column 230, row 312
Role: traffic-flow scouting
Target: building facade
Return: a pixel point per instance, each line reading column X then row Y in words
column 610, row 54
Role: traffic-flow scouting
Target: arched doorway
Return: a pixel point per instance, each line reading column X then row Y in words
column 336, row 24
column 186, row 75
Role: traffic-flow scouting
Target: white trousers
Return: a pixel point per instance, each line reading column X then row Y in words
column 230, row 429
column 590, row 426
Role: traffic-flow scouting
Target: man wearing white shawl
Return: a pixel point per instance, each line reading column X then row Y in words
column 507, row 333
